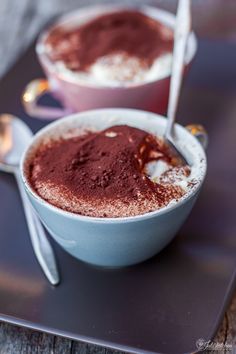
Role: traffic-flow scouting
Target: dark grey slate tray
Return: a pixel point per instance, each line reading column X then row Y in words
column 167, row 303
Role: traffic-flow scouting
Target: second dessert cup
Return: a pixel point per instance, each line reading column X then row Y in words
column 77, row 96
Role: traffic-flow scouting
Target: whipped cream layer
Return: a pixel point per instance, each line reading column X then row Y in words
column 119, row 70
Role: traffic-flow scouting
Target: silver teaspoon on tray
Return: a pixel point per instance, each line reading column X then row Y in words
column 182, row 29
column 14, row 137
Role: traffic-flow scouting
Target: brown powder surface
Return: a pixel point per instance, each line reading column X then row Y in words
column 129, row 32
column 103, row 173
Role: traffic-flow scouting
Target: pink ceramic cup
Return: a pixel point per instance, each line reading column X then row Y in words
column 77, row 96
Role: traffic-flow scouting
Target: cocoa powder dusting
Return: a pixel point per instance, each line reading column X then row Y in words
column 129, row 32
column 104, row 167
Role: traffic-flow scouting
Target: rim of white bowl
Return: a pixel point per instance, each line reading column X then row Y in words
column 92, row 11
column 50, row 127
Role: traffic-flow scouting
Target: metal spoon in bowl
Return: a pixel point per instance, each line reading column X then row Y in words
column 14, row 137
column 182, row 29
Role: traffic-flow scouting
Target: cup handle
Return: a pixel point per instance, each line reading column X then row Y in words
column 200, row 133
column 33, row 91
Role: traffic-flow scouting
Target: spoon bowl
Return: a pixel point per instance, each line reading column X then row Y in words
column 14, row 138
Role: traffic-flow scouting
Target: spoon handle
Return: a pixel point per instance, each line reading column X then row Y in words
column 182, row 29
column 41, row 246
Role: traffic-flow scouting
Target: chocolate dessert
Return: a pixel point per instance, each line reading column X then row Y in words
column 128, row 42
column 109, row 173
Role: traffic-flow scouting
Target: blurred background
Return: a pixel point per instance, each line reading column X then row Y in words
column 20, row 21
